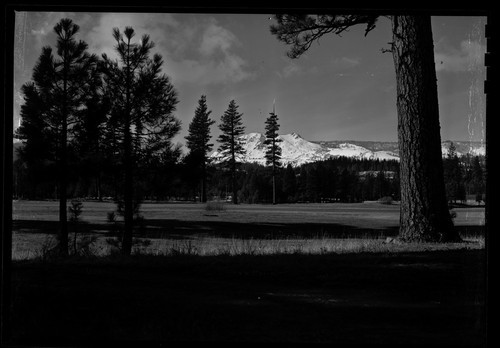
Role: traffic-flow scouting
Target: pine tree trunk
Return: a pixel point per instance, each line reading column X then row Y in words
column 203, row 182
column 128, row 194
column 63, row 213
column 233, row 180
column 424, row 214
column 63, row 169
column 274, row 188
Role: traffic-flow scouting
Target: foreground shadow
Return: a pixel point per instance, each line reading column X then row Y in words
column 179, row 229
column 406, row 299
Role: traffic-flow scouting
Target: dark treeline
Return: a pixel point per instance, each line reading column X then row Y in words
column 335, row 180
column 465, row 177
column 175, row 177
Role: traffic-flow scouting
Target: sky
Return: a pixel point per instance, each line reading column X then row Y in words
column 342, row 88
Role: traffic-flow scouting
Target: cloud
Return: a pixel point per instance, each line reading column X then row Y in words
column 468, row 57
column 344, row 63
column 231, row 69
column 100, row 37
column 204, row 52
column 338, row 65
column 195, row 48
column 41, row 32
column 216, row 39
column 290, row 69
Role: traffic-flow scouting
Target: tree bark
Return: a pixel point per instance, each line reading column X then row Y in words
column 233, row 180
column 63, row 214
column 63, row 168
column 424, row 214
column 128, row 194
column 203, row 181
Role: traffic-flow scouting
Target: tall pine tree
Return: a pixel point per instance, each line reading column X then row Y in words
column 230, row 143
column 453, row 175
column 60, row 84
column 143, row 102
column 198, row 142
column 39, row 143
column 90, row 142
column 273, row 150
column 424, row 214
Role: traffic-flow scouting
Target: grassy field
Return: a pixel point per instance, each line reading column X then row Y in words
column 318, row 273
column 229, row 229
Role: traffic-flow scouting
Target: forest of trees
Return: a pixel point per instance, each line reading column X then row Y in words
column 177, row 177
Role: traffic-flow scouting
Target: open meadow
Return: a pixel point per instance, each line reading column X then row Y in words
column 217, row 227
column 302, row 273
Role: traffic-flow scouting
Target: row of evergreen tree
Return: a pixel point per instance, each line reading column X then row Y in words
column 82, row 112
column 339, row 179
column 103, row 124
column 465, row 176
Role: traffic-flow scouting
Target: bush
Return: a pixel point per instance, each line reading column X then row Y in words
column 75, row 210
column 111, row 217
column 385, row 200
column 215, row 206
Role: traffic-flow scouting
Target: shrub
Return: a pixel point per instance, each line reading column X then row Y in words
column 184, row 248
column 75, row 210
column 49, row 249
column 85, row 245
column 385, row 200
column 453, row 214
column 111, row 217
column 215, row 206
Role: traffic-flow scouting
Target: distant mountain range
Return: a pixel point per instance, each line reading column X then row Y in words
column 297, row 151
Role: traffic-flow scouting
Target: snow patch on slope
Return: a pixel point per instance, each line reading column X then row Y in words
column 296, row 151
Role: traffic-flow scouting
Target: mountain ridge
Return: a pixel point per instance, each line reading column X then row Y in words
column 297, row 150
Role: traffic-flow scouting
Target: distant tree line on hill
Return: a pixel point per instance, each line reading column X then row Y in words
column 177, row 177
column 464, row 176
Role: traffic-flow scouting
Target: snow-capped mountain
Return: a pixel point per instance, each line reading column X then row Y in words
column 296, row 151
column 357, row 151
column 464, row 147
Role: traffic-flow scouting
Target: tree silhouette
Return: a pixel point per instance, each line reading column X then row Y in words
column 455, row 189
column 230, row 143
column 59, row 87
column 37, row 155
column 290, row 183
column 141, row 115
column 478, row 185
column 273, row 150
column 90, row 142
column 424, row 214
column 198, row 142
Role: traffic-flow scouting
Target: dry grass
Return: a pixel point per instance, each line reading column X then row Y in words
column 29, row 244
column 212, row 246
